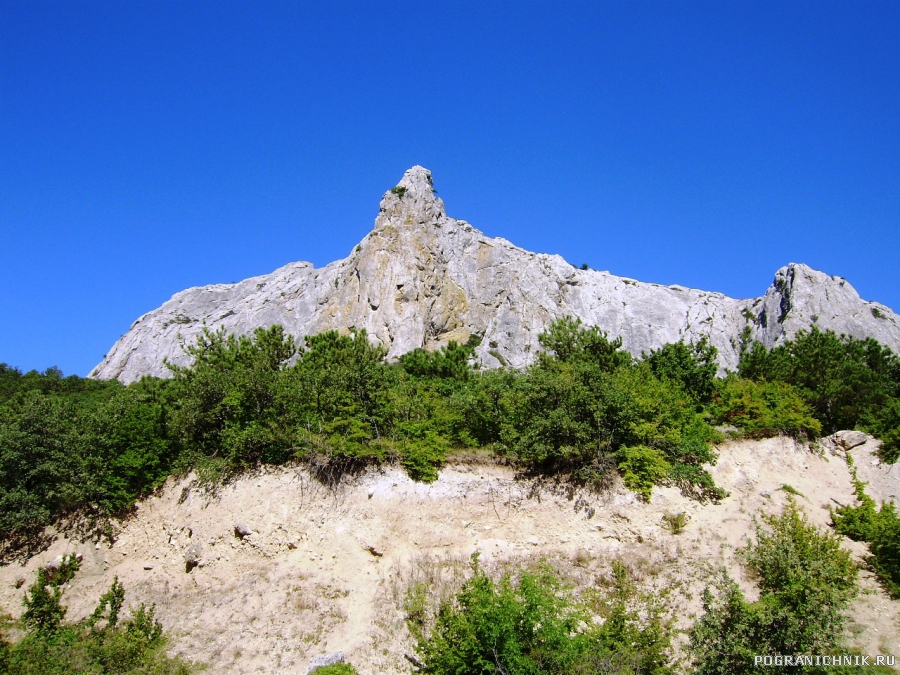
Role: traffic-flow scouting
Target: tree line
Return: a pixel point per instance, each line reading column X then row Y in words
column 585, row 409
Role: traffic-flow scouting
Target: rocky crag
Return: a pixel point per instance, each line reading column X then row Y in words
column 422, row 279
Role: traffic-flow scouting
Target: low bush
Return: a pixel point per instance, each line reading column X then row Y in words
column 585, row 404
column 675, row 522
column 43, row 611
column 224, row 403
column 14, row 385
column 880, row 529
column 566, row 340
column 806, row 582
column 884, row 423
column 642, row 468
column 100, row 645
column 533, row 626
column 336, row 669
column 422, row 452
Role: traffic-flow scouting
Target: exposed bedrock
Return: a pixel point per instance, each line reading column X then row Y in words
column 422, row 279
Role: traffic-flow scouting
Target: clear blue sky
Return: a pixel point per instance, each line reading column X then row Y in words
column 146, row 147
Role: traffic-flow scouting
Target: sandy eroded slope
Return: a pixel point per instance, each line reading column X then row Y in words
column 310, row 578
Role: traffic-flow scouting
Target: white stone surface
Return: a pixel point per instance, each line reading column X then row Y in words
column 421, row 279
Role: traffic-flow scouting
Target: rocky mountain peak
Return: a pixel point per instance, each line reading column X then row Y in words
column 801, row 297
column 423, row 279
column 412, row 201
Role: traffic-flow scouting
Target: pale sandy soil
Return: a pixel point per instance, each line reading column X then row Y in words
column 309, row 579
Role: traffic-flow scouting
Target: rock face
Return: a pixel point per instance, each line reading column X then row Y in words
column 422, row 279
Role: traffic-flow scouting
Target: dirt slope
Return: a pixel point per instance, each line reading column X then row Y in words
column 327, row 570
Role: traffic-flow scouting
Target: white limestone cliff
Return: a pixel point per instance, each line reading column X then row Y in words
column 421, row 279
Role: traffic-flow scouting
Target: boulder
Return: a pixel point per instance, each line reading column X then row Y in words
column 193, row 556
column 842, row 441
column 850, row 439
column 324, row 660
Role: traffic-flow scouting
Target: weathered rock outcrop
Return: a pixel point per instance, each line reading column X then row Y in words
column 421, row 279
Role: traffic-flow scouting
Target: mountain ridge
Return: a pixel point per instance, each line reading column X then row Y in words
column 420, row 278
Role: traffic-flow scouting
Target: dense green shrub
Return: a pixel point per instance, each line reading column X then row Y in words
column 642, row 468
column 14, row 384
column 224, row 401
column 338, row 376
column 763, row 409
column 423, row 453
column 61, row 453
column 533, row 625
column 845, row 381
column 806, row 581
column 884, row 422
column 549, row 417
column 129, row 450
column 338, row 389
column 586, row 406
column 880, row 529
column 240, row 399
column 641, row 410
column 566, row 341
column 506, row 627
column 479, row 410
column 41, row 440
column 693, row 366
column 43, row 610
column 452, row 361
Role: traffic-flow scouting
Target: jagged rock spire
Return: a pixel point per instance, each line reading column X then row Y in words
column 412, row 201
